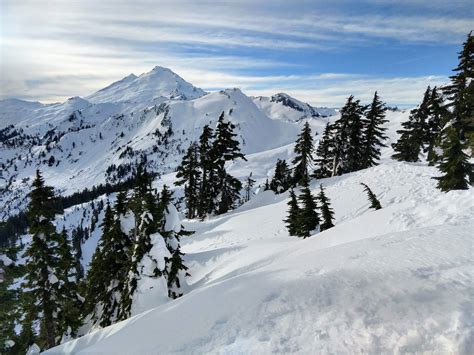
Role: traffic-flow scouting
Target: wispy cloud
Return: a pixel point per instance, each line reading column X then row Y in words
column 54, row 49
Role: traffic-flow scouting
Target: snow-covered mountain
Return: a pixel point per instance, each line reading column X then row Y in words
column 286, row 108
column 81, row 142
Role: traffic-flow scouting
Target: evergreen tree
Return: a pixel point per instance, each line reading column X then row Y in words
column 435, row 125
column 293, row 219
column 460, row 92
column 454, row 163
column 374, row 132
column 304, row 150
column 308, row 217
column 348, row 138
column 69, row 316
column 144, row 207
column 324, row 154
column 249, row 183
column 172, row 233
column 109, row 269
column 327, row 213
column 206, row 162
column 225, row 148
column 189, row 175
column 281, row 180
column 266, row 186
column 414, row 132
column 374, row 202
column 42, row 260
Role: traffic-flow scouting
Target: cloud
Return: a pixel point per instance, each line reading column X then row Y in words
column 56, row 49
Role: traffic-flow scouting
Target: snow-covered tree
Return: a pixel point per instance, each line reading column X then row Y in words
column 249, row 184
column 42, row 286
column 324, row 154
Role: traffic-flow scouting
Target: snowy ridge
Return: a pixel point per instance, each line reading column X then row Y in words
column 288, row 109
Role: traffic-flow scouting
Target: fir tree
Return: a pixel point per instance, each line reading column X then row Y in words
column 435, row 125
column 374, row 202
column 281, row 180
column 303, row 160
column 225, row 148
column 249, row 183
column 69, row 316
column 327, row 213
column 348, row 139
column 206, row 162
column 189, row 175
column 374, row 132
column 460, row 92
column 42, row 259
column 308, row 217
column 266, row 187
column 454, row 163
column 293, row 219
column 324, row 156
column 109, row 269
column 414, row 132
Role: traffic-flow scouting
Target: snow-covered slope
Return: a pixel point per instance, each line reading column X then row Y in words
column 159, row 82
column 395, row 280
column 286, row 108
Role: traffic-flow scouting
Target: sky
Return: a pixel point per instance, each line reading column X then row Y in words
column 318, row 51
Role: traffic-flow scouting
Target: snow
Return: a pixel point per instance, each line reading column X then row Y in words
column 5, row 260
column 151, row 291
column 394, row 280
column 173, row 220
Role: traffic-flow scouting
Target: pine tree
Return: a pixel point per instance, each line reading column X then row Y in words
column 266, row 187
column 374, row 132
column 435, row 124
column 374, row 202
column 109, row 269
column 324, row 154
column 348, row 138
column 249, row 183
column 42, row 259
column 206, row 162
column 281, row 180
column 413, row 135
column 293, row 219
column 69, row 316
column 189, row 175
column 225, row 148
column 454, row 163
column 327, row 213
column 460, row 92
column 308, row 217
column 304, row 150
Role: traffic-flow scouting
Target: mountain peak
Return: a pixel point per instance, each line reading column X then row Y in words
column 159, row 82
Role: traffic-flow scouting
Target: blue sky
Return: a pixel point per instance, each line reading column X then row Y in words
column 317, row 51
